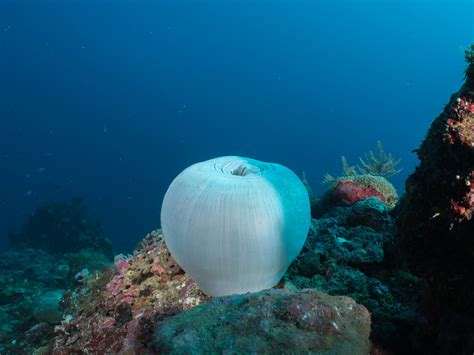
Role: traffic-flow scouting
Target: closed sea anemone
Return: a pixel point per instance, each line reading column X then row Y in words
column 235, row 224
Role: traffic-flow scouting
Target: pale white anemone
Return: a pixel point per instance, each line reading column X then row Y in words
column 235, row 224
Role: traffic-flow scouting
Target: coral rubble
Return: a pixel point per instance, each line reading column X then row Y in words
column 276, row 320
column 436, row 222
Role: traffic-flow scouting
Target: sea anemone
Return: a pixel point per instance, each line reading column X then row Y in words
column 235, row 224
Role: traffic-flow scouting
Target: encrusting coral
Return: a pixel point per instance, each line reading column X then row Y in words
column 116, row 311
column 348, row 190
column 359, row 182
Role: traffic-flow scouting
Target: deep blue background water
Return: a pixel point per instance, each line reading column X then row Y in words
column 110, row 100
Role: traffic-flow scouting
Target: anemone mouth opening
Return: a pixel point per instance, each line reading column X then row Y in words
column 241, row 167
column 241, row 170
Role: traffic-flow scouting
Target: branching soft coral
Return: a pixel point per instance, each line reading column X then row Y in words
column 383, row 164
column 347, row 170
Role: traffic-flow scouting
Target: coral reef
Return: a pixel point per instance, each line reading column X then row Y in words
column 117, row 311
column 436, row 224
column 62, row 228
column 277, row 320
column 32, row 282
column 351, row 251
column 120, row 310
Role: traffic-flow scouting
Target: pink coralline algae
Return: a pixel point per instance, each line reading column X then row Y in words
column 346, row 191
column 459, row 131
column 460, row 124
column 118, row 311
column 349, row 192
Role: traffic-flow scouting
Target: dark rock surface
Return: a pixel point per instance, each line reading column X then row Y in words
column 351, row 251
column 436, row 222
column 277, row 320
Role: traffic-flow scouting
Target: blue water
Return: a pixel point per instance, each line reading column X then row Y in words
column 110, row 100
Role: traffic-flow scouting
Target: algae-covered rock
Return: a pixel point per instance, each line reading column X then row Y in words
column 351, row 251
column 32, row 282
column 46, row 307
column 115, row 311
column 276, row 320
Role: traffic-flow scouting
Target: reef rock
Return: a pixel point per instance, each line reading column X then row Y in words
column 351, row 251
column 46, row 307
column 436, row 221
column 32, row 282
column 115, row 312
column 267, row 321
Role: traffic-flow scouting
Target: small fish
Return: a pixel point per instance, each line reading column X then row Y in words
column 41, row 170
column 28, row 193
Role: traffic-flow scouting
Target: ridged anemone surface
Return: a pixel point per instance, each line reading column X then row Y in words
column 235, row 224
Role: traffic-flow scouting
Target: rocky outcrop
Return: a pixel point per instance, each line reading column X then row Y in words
column 351, row 251
column 277, row 320
column 436, row 223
